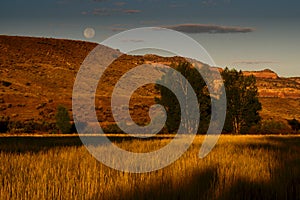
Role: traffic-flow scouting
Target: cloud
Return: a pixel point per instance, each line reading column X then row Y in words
column 109, row 11
column 254, row 62
column 133, row 40
column 132, row 11
column 119, row 3
column 209, row 28
column 176, row 5
column 102, row 11
column 215, row 2
column 119, row 27
column 148, row 22
column 100, row 0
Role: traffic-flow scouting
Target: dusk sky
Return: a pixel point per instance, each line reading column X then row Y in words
column 247, row 35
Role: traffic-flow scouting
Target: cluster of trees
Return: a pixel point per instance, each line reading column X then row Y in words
column 61, row 125
column 242, row 112
column 31, row 126
column 243, row 105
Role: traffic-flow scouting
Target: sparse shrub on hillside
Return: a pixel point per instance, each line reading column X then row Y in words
column 30, row 126
column 6, row 83
column 50, row 127
column 270, row 127
column 112, row 128
column 295, row 124
column 2, row 108
column 16, row 127
column 79, row 128
column 63, row 120
column 42, row 105
column 4, row 122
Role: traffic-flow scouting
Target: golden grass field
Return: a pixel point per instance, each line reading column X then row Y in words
column 239, row 167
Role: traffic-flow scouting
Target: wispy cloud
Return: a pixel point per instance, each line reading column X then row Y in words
column 100, row 0
column 254, row 62
column 109, row 11
column 132, row 11
column 133, row 40
column 176, row 5
column 119, row 27
column 214, row 2
column 148, row 22
column 105, row 11
column 119, row 3
column 209, row 28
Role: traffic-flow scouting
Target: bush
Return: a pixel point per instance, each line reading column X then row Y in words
column 271, row 127
column 63, row 120
column 295, row 124
column 30, row 126
column 16, row 127
column 4, row 122
column 80, row 127
column 6, row 83
column 112, row 128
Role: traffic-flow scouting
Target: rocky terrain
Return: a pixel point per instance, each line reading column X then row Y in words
column 37, row 74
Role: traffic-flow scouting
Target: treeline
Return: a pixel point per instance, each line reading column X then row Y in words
column 62, row 124
column 242, row 110
column 8, row 126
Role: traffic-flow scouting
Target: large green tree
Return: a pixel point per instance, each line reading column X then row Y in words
column 243, row 105
column 63, row 120
column 170, row 102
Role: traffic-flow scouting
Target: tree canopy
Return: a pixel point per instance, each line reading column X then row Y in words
column 243, row 105
column 63, row 120
column 170, row 102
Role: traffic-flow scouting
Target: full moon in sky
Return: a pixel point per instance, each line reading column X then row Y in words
column 89, row 33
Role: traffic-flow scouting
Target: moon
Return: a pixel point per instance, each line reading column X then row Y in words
column 89, row 33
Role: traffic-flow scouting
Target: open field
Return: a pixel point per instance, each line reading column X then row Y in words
column 239, row 167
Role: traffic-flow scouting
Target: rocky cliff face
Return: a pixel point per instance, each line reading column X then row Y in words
column 265, row 74
column 271, row 85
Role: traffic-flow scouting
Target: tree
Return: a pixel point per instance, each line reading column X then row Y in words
column 4, row 124
column 295, row 124
column 63, row 120
column 171, row 104
column 243, row 105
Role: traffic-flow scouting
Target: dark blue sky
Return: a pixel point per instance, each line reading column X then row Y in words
column 273, row 43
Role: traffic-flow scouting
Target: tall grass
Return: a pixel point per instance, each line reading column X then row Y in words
column 239, row 167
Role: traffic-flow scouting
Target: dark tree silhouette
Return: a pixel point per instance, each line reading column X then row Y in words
column 295, row 124
column 63, row 120
column 242, row 101
column 170, row 102
column 4, row 123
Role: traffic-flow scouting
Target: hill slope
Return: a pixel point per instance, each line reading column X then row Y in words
column 37, row 74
